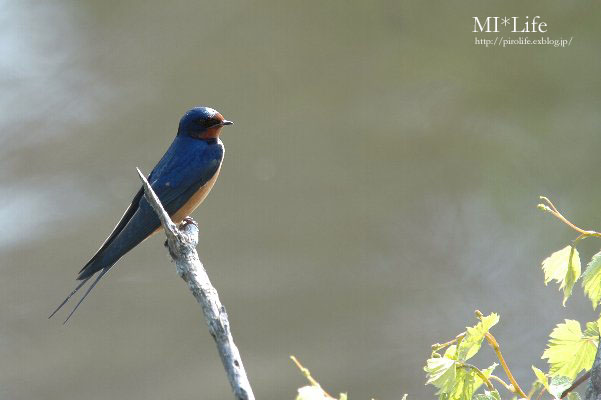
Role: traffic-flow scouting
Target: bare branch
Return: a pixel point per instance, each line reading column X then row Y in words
column 182, row 243
column 550, row 207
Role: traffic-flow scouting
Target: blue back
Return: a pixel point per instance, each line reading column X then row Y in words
column 187, row 165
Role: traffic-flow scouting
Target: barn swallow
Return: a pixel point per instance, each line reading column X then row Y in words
column 182, row 180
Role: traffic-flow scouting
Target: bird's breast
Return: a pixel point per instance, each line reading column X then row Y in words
column 195, row 200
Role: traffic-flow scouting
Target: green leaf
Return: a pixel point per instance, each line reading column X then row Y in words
column 466, row 384
column 591, row 280
column 541, row 377
column 563, row 266
column 451, row 352
column 558, row 385
column 468, row 381
column 573, row 396
column 472, row 341
column 454, row 380
column 570, row 350
column 311, row 392
column 494, row 395
column 441, row 372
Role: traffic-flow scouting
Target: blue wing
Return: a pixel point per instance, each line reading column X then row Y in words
column 187, row 165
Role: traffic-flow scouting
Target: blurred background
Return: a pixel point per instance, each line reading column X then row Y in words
column 380, row 184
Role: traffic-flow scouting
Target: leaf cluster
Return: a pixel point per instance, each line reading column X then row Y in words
column 451, row 373
column 570, row 349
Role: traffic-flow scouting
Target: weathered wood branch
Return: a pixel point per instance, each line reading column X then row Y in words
column 182, row 243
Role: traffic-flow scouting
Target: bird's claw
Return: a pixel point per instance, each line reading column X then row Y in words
column 187, row 221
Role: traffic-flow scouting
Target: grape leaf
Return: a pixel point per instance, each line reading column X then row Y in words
column 464, row 385
column 570, row 350
column 541, row 377
column 312, row 392
column 441, row 372
column 563, row 266
column 451, row 352
column 591, row 280
column 494, row 395
column 472, row 341
column 467, row 381
column 573, row 396
column 454, row 380
column 558, row 385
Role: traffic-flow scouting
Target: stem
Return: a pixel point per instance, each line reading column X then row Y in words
column 480, row 374
column 495, row 346
column 576, row 383
column 550, row 207
column 440, row 346
column 502, row 382
column 540, row 394
column 307, row 374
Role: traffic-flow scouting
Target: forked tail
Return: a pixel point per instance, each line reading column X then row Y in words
column 79, row 286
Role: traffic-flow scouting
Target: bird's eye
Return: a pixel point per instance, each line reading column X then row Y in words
column 212, row 122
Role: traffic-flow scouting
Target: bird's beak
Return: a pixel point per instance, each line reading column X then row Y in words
column 226, row 122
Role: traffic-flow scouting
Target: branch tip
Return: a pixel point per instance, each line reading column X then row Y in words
column 182, row 247
column 544, row 207
column 550, row 207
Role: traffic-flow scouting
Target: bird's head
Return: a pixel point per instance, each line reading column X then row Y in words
column 202, row 123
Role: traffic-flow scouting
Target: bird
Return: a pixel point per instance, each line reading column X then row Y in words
column 182, row 179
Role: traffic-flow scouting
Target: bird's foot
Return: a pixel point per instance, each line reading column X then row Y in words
column 187, row 221
column 189, row 228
